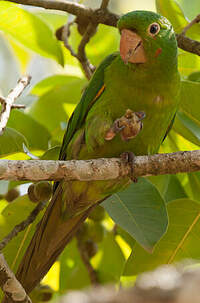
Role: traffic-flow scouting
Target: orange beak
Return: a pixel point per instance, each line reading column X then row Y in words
column 131, row 47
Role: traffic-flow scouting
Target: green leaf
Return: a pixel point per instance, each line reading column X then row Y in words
column 35, row 133
column 53, row 18
column 56, row 105
column 172, row 11
column 51, row 154
column 30, row 31
column 52, row 82
column 110, row 271
column 191, row 8
column 194, row 181
column 141, row 211
column 161, row 182
column 188, row 63
column 73, row 274
column 181, row 240
column 194, row 77
column 11, row 141
column 13, row 214
column 187, row 127
column 175, row 190
column 190, row 91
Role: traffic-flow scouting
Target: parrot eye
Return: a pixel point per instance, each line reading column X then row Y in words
column 153, row 29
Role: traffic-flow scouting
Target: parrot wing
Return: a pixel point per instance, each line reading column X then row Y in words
column 169, row 127
column 89, row 97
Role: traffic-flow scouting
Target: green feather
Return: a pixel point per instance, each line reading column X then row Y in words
column 80, row 112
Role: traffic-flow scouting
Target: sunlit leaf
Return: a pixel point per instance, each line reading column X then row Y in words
column 194, row 181
column 73, row 273
column 190, row 91
column 172, row 11
column 11, row 141
column 181, row 240
column 29, row 30
column 109, row 272
column 188, row 63
column 36, row 134
column 49, row 109
column 187, row 127
column 12, row 215
column 52, row 82
column 141, row 211
column 51, row 154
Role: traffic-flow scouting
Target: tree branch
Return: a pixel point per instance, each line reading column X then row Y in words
column 99, row 169
column 100, row 16
column 86, row 260
column 10, row 285
column 8, row 103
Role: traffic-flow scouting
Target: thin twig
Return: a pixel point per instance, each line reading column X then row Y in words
column 104, row 4
column 84, row 256
column 99, row 169
column 65, row 36
column 187, row 27
column 18, row 106
column 24, row 224
column 11, row 287
column 88, row 68
column 8, row 103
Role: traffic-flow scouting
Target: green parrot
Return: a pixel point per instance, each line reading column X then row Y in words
column 129, row 105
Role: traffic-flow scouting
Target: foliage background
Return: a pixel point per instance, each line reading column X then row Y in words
column 28, row 45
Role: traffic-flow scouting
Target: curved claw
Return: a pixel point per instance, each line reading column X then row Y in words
column 129, row 158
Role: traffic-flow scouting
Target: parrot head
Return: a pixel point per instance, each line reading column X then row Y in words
column 146, row 37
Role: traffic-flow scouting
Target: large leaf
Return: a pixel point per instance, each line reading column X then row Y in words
column 29, row 30
column 175, row 190
column 35, row 133
column 190, row 91
column 181, row 240
column 141, row 211
column 188, row 63
column 172, row 11
column 110, row 271
column 11, row 141
column 52, row 82
column 191, row 8
column 169, row 187
column 73, row 274
column 56, row 105
column 12, row 215
column 194, row 181
column 187, row 127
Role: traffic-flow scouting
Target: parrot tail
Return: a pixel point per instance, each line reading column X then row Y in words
column 51, row 236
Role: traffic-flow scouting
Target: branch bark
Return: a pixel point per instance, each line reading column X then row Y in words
column 10, row 285
column 8, row 103
column 100, row 169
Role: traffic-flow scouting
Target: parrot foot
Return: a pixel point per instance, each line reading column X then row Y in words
column 129, row 158
column 129, row 126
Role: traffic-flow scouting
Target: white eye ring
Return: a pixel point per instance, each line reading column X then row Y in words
column 153, row 29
